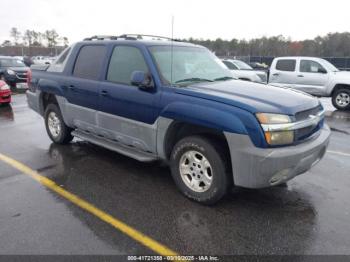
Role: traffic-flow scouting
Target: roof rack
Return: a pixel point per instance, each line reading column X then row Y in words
column 129, row 37
column 101, row 37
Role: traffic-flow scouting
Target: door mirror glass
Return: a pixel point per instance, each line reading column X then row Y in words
column 141, row 79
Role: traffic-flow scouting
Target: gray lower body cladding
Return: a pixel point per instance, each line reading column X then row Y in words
column 257, row 167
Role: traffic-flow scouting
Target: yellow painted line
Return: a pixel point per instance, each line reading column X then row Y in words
column 114, row 222
column 338, row 153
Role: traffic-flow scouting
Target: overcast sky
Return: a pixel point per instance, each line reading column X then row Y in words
column 227, row 19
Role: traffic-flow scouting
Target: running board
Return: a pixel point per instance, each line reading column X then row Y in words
column 115, row 146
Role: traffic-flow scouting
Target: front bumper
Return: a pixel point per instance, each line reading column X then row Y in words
column 5, row 96
column 257, row 167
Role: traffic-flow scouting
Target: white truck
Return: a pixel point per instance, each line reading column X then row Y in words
column 312, row 75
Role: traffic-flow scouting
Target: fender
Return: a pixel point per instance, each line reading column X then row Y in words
column 216, row 116
column 50, row 85
column 332, row 86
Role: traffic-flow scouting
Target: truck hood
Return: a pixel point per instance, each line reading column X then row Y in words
column 252, row 97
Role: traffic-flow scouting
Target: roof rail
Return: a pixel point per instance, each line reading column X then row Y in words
column 129, row 37
column 140, row 37
column 101, row 37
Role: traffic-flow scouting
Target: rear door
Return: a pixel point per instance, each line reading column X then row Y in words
column 283, row 72
column 82, row 87
column 312, row 77
column 128, row 114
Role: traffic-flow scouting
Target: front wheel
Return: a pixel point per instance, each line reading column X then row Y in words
column 200, row 170
column 57, row 130
column 341, row 99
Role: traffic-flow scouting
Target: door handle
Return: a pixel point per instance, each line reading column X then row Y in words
column 276, row 74
column 104, row 93
column 300, row 76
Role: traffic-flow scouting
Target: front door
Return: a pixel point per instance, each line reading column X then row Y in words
column 127, row 113
column 312, row 77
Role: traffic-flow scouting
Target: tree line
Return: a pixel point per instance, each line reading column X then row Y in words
column 331, row 45
column 48, row 38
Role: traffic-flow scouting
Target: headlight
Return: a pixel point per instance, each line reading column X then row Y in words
column 4, row 87
column 10, row 72
column 276, row 137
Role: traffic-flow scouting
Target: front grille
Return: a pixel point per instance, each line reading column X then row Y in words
column 304, row 133
column 21, row 75
column 305, row 114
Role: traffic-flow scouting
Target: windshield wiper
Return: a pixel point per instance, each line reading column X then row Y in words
column 194, row 79
column 224, row 78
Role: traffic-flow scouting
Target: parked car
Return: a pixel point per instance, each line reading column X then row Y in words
column 5, row 93
column 243, row 71
column 177, row 102
column 42, row 60
column 312, row 75
column 13, row 72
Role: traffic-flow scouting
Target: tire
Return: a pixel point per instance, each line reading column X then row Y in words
column 210, row 182
column 57, row 130
column 341, row 99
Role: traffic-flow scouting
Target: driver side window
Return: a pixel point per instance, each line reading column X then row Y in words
column 124, row 61
column 308, row 66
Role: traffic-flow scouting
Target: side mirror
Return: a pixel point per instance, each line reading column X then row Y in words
column 141, row 80
column 322, row 71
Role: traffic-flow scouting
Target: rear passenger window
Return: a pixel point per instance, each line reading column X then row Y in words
column 124, row 61
column 89, row 62
column 286, row 65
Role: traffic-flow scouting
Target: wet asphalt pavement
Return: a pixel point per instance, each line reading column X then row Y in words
column 311, row 215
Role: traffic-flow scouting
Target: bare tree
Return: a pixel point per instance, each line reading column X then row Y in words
column 51, row 37
column 28, row 37
column 15, row 34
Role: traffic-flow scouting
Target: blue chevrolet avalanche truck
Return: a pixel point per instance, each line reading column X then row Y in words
column 177, row 102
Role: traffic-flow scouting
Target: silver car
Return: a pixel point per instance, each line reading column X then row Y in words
column 243, row 71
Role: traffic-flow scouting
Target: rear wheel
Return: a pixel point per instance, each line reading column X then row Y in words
column 341, row 99
column 200, row 170
column 57, row 130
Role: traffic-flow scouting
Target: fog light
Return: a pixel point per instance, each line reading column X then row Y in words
column 280, row 177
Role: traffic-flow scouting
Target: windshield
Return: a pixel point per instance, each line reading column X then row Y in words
column 329, row 66
column 11, row 63
column 190, row 64
column 241, row 65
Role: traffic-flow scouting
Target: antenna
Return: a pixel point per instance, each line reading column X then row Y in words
column 172, row 49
